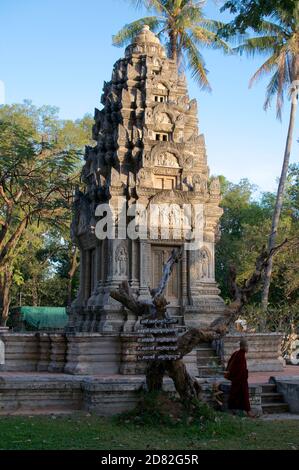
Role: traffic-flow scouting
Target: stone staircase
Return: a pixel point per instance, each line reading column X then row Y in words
column 208, row 363
column 272, row 401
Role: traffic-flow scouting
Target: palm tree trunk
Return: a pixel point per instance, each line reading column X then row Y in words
column 173, row 45
column 279, row 197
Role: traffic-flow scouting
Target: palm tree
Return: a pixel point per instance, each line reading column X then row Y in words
column 181, row 23
column 278, row 39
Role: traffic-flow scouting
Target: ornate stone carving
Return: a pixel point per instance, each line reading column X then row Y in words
column 121, row 260
column 147, row 143
column 215, row 187
column 167, row 159
column 204, row 264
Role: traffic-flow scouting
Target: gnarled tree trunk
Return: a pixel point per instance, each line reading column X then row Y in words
column 5, row 285
column 186, row 385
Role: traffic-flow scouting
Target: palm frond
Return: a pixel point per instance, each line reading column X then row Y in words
column 129, row 31
column 209, row 39
column 267, row 67
column 148, row 4
column 269, row 27
column 196, row 63
column 258, row 45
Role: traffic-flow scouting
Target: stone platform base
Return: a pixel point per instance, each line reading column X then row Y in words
column 264, row 350
column 55, row 393
column 289, row 388
column 107, row 354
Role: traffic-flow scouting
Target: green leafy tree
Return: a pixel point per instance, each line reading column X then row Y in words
column 183, row 26
column 277, row 27
column 39, row 165
column 244, row 228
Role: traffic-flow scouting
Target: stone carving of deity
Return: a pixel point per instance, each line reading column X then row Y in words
column 162, row 118
column 180, row 119
column 204, row 265
column 167, row 159
column 164, row 215
column 121, row 257
column 215, row 187
column 149, row 114
column 200, row 184
column 141, row 177
column 175, row 217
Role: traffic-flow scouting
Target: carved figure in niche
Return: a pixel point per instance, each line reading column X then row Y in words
column 215, row 187
column 141, row 177
column 204, row 264
column 180, row 119
column 122, row 134
column 164, row 215
column 175, row 216
column 136, row 135
column 193, row 106
column 197, row 183
column 82, row 214
column 162, row 118
column 193, row 138
column 167, row 159
column 188, row 162
column 121, row 257
column 183, row 101
column 149, row 114
column 200, row 184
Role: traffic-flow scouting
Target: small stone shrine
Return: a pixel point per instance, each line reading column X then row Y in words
column 149, row 154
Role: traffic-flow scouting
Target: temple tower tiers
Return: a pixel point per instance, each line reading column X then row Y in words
column 150, row 155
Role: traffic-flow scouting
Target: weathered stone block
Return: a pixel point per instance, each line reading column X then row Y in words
column 44, row 344
column 264, row 352
column 129, row 363
column 93, row 353
column 39, row 393
column 57, row 352
column 21, row 352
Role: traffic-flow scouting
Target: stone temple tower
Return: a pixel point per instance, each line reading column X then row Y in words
column 149, row 154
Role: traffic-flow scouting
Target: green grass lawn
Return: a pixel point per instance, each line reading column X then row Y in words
column 83, row 431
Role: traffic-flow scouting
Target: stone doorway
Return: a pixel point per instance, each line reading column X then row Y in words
column 160, row 255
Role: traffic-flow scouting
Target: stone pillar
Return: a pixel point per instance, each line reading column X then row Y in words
column 145, row 269
column 58, row 352
column 44, row 352
column 112, row 316
column 185, row 297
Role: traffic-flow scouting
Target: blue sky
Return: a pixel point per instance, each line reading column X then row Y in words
column 59, row 52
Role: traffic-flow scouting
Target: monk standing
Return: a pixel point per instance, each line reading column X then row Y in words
column 237, row 373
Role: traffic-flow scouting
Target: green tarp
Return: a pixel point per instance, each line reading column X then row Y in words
column 43, row 318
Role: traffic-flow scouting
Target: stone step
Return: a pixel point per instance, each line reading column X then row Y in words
column 272, row 398
column 209, row 371
column 273, row 408
column 205, row 346
column 208, row 360
column 268, row 388
column 205, row 352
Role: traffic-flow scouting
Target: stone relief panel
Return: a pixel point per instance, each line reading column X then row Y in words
column 121, row 260
column 167, row 159
column 204, row 264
